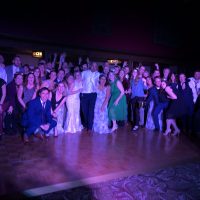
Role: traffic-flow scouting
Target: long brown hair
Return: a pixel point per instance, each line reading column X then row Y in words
column 26, row 79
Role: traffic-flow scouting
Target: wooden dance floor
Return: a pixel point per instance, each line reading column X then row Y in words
column 77, row 159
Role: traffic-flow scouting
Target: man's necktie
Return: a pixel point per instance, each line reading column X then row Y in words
column 43, row 112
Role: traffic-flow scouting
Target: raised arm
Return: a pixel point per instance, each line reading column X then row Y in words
column 62, row 60
column 54, row 60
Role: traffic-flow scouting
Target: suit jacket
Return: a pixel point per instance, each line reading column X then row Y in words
column 34, row 116
column 153, row 95
column 9, row 72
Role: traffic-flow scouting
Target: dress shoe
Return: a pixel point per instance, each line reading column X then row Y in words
column 167, row 132
column 46, row 136
column 114, row 128
column 25, row 138
column 156, row 130
column 135, row 128
column 176, row 132
column 39, row 136
column 89, row 131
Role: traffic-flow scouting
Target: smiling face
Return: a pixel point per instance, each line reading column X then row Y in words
column 61, row 88
column 106, row 69
column 70, row 79
column 77, row 75
column 111, row 76
column 182, row 78
column 17, row 61
column 121, row 74
column 102, row 80
column 53, row 75
column 61, row 75
column 31, row 78
column 134, row 73
column 166, row 72
column 156, row 73
column 173, row 77
column 149, row 81
column 37, row 72
column 163, row 84
column 19, row 79
column 157, row 82
column 44, row 95
column 197, row 75
column 94, row 67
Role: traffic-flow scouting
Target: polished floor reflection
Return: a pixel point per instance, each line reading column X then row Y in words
column 82, row 157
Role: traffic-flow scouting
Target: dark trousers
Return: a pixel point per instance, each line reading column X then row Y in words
column 157, row 109
column 13, row 123
column 4, row 107
column 87, row 106
column 52, row 124
column 135, row 106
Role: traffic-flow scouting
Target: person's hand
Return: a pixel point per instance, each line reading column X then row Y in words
column 69, row 92
column 87, row 60
column 125, row 63
column 62, row 57
column 79, row 60
column 80, row 90
column 55, row 55
column 102, row 108
column 45, row 127
column 24, row 108
column 54, row 114
column 10, row 110
column 157, row 66
column 1, row 108
column 129, row 91
column 116, row 102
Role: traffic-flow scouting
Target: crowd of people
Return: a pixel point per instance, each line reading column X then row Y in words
column 55, row 98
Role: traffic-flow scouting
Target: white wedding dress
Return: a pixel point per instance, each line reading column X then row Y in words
column 73, row 120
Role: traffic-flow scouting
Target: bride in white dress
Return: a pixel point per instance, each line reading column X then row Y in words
column 73, row 120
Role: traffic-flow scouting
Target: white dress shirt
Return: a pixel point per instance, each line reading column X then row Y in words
column 3, row 74
column 195, row 86
column 90, row 81
column 15, row 69
column 43, row 103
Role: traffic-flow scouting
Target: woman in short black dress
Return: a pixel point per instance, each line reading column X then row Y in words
column 174, row 110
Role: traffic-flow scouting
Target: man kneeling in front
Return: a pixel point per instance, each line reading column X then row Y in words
column 37, row 119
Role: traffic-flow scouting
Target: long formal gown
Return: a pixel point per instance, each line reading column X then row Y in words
column 100, row 124
column 60, row 114
column 118, row 112
column 73, row 120
column 149, row 122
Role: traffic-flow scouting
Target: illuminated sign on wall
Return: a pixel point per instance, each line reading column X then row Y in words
column 37, row 54
column 114, row 62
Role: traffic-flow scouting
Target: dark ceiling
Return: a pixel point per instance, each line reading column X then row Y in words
column 77, row 23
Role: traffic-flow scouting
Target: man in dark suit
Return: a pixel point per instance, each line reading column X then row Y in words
column 12, row 69
column 160, row 103
column 37, row 119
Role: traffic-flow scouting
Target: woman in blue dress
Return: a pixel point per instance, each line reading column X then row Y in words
column 100, row 111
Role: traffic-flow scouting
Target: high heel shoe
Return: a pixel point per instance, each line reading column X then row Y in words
column 176, row 132
column 114, row 128
column 167, row 132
